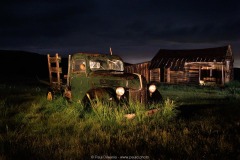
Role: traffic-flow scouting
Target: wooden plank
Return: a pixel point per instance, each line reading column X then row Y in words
column 56, row 70
column 168, row 75
column 68, row 74
column 147, row 113
column 155, row 75
column 177, row 77
column 55, row 59
column 49, row 68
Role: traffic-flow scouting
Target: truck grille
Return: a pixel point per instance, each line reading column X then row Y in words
column 138, row 95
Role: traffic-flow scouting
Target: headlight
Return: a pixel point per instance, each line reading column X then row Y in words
column 152, row 88
column 120, row 91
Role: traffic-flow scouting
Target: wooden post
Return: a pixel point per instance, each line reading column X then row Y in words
column 199, row 72
column 227, row 71
column 68, row 75
column 57, row 69
column 49, row 69
column 168, row 75
column 222, row 75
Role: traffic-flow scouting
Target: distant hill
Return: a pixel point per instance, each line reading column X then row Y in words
column 25, row 64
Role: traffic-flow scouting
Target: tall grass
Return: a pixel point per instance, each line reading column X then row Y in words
column 59, row 129
column 191, row 95
column 41, row 129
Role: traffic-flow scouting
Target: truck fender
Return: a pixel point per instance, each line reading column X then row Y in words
column 155, row 97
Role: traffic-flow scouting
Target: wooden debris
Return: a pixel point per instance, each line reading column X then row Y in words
column 148, row 113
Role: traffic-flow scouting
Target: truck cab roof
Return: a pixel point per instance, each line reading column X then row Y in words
column 91, row 55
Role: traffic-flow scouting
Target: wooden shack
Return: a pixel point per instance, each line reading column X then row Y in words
column 208, row 66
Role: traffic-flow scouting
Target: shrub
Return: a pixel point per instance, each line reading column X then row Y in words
column 169, row 109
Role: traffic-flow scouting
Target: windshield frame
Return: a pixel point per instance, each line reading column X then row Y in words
column 106, row 64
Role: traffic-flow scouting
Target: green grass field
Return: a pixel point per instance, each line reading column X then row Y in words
column 193, row 123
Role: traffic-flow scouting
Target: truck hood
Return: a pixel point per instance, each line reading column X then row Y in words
column 117, row 79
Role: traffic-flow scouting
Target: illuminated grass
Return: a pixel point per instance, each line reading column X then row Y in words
column 40, row 129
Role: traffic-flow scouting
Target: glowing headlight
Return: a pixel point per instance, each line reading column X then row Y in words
column 152, row 88
column 120, row 91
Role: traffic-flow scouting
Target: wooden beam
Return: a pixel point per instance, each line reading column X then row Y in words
column 199, row 74
column 58, row 71
column 49, row 69
column 68, row 75
column 222, row 75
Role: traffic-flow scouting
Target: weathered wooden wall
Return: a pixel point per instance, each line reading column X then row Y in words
column 192, row 73
column 155, row 75
column 140, row 68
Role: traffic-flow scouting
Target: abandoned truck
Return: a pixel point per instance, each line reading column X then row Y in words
column 101, row 77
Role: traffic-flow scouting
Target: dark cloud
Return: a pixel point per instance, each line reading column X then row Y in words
column 131, row 27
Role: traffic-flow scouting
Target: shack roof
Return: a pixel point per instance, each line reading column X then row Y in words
column 175, row 59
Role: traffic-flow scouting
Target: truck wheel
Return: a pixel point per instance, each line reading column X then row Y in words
column 89, row 102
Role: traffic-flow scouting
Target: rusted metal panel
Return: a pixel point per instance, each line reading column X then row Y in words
column 138, row 95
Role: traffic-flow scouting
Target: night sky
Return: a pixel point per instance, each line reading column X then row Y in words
column 134, row 29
